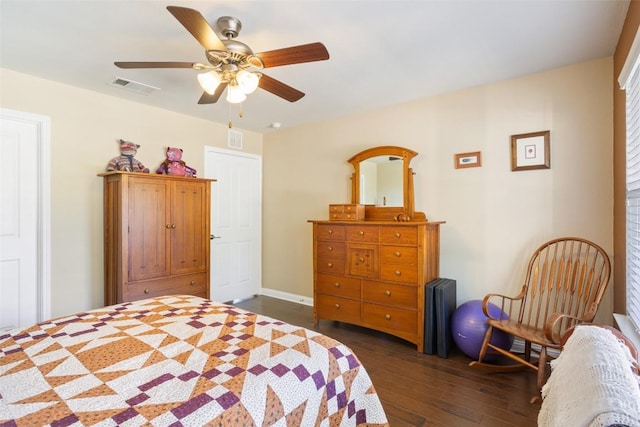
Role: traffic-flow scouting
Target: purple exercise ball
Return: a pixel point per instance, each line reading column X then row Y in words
column 469, row 325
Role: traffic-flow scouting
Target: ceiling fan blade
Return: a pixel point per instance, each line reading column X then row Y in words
column 212, row 99
column 294, row 55
column 154, row 64
column 280, row 89
column 199, row 28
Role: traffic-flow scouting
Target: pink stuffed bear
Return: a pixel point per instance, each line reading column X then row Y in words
column 125, row 161
column 174, row 165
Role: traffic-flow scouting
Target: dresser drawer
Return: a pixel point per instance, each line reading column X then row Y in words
column 336, row 308
column 346, row 212
column 362, row 233
column 398, row 255
column 330, row 265
column 191, row 284
column 344, row 217
column 330, row 232
column 329, row 249
column 390, row 294
column 399, row 273
column 399, row 235
column 340, row 286
column 389, row 317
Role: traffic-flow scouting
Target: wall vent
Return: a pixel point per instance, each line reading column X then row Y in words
column 235, row 139
column 132, row 86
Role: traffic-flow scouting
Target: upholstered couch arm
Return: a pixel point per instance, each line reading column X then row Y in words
column 594, row 381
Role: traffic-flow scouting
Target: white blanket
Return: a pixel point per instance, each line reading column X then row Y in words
column 592, row 383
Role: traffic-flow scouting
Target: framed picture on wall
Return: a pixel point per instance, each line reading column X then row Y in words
column 531, row 151
column 467, row 160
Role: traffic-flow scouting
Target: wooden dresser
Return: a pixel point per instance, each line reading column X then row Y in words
column 156, row 236
column 372, row 273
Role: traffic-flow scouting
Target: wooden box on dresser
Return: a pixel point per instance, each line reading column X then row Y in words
column 372, row 273
column 156, row 236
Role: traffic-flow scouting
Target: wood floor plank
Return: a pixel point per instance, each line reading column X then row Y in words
column 418, row 389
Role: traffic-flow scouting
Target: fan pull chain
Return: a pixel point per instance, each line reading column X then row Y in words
column 240, row 114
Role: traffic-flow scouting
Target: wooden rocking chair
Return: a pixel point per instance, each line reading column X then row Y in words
column 565, row 281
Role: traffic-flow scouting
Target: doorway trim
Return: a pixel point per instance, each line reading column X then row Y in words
column 43, row 170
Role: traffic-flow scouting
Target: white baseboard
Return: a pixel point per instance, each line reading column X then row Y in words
column 286, row 296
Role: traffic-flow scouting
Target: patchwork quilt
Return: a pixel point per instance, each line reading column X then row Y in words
column 180, row 361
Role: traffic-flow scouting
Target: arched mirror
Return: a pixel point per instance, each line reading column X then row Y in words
column 383, row 182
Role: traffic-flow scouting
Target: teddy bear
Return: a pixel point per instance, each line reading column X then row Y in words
column 125, row 161
column 174, row 165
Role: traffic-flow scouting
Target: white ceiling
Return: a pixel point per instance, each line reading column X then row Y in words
column 382, row 52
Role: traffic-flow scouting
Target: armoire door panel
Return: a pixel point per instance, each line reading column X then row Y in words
column 189, row 239
column 149, row 229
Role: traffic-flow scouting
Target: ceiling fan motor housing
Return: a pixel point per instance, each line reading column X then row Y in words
column 229, row 26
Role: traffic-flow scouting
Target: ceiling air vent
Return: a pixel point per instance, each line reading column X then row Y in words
column 137, row 87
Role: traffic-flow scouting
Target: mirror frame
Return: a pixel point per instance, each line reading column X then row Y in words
column 388, row 213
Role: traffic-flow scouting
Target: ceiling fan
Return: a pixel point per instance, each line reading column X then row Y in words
column 232, row 65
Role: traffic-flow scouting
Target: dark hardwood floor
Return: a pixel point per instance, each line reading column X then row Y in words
column 418, row 389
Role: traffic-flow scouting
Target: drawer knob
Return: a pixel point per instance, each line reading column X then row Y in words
column 337, row 285
column 330, row 248
column 361, row 259
column 330, row 265
column 397, row 234
column 362, row 233
column 397, row 254
column 146, row 291
column 193, row 282
column 387, row 293
column 330, row 231
column 387, row 316
column 398, row 273
column 337, row 306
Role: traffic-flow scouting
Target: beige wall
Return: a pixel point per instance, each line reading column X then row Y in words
column 495, row 217
column 85, row 128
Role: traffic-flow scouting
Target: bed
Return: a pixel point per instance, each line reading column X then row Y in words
column 180, row 361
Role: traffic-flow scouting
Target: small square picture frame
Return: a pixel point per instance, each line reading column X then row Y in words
column 531, row 151
column 467, row 160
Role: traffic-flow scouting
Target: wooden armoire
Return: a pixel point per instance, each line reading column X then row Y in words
column 156, row 236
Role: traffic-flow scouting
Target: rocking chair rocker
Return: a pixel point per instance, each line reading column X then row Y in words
column 565, row 281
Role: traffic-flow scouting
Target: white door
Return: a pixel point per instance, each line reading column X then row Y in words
column 24, row 219
column 236, row 217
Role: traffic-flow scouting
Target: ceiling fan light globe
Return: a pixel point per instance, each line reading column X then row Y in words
column 247, row 81
column 235, row 95
column 209, row 81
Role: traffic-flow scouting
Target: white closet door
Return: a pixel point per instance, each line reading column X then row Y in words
column 236, row 265
column 24, row 281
